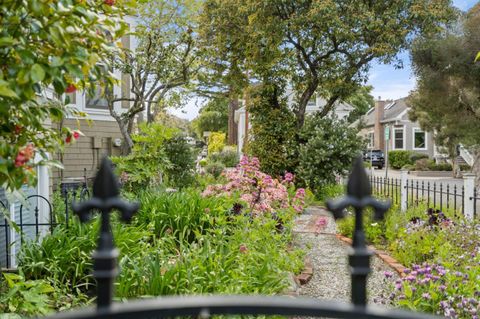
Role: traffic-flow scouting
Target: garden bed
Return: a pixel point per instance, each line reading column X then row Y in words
column 441, row 253
column 234, row 238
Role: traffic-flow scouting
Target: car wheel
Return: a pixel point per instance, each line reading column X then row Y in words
column 380, row 166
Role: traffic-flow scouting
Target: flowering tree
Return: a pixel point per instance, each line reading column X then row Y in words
column 261, row 192
column 47, row 48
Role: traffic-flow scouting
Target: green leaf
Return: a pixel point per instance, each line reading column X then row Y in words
column 6, row 41
column 7, row 92
column 477, row 58
column 37, row 73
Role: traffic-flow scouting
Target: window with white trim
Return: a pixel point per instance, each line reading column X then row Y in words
column 371, row 139
column 398, row 138
column 419, row 139
column 98, row 100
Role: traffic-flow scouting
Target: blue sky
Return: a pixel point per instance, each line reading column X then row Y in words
column 387, row 82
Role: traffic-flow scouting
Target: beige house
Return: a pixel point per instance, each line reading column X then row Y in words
column 404, row 134
column 102, row 135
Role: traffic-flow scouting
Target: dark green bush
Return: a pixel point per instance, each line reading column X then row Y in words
column 180, row 155
column 398, row 159
column 465, row 167
column 440, row 167
column 227, row 157
column 215, row 168
column 329, row 149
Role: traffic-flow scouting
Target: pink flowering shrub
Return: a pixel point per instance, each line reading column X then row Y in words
column 261, row 192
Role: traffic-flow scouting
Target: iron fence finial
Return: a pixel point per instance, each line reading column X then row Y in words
column 105, row 199
column 359, row 197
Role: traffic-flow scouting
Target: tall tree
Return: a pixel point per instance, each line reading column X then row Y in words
column 447, row 96
column 163, row 61
column 323, row 45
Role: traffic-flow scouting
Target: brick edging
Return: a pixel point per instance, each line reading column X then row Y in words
column 389, row 260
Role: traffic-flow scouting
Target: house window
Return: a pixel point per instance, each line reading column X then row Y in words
column 419, row 139
column 398, row 142
column 371, row 139
column 98, row 100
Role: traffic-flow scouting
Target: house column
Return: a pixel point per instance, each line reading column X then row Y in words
column 379, row 135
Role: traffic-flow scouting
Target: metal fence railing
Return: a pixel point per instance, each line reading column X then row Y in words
column 32, row 217
column 442, row 195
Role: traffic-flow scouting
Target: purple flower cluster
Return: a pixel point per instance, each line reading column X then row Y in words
column 436, row 288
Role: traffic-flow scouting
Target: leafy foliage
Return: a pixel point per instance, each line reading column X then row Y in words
column 216, row 142
column 214, row 168
column 53, row 47
column 213, row 117
column 399, row 158
column 446, row 97
column 362, row 101
column 161, row 66
column 273, row 130
column 182, row 162
column 314, row 44
column 148, row 161
column 228, row 157
column 328, row 150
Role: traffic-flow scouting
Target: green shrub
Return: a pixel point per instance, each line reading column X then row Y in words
column 465, row 168
column 216, row 142
column 397, row 159
column 148, row 161
column 330, row 191
column 227, row 157
column 215, row 168
column 414, row 156
column 329, row 150
column 180, row 171
column 203, row 162
column 440, row 167
column 272, row 138
column 33, row 297
column 422, row 164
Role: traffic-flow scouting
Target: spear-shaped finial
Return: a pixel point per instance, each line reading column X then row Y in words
column 105, row 199
column 359, row 197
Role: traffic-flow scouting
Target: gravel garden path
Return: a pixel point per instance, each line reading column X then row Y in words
column 329, row 258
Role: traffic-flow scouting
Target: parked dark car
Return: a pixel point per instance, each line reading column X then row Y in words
column 378, row 158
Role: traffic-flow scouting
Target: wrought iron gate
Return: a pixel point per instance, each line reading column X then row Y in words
column 105, row 198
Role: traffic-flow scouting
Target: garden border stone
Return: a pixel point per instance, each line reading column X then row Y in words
column 389, row 260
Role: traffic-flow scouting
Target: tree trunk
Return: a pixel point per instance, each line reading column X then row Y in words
column 303, row 101
column 232, row 126
column 127, row 145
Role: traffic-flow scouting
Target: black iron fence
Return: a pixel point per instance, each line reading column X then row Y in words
column 386, row 187
column 448, row 196
column 33, row 217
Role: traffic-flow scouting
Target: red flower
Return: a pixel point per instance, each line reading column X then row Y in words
column 243, row 249
column 18, row 129
column 68, row 139
column 76, row 135
column 71, row 88
column 20, row 160
column 109, row 2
